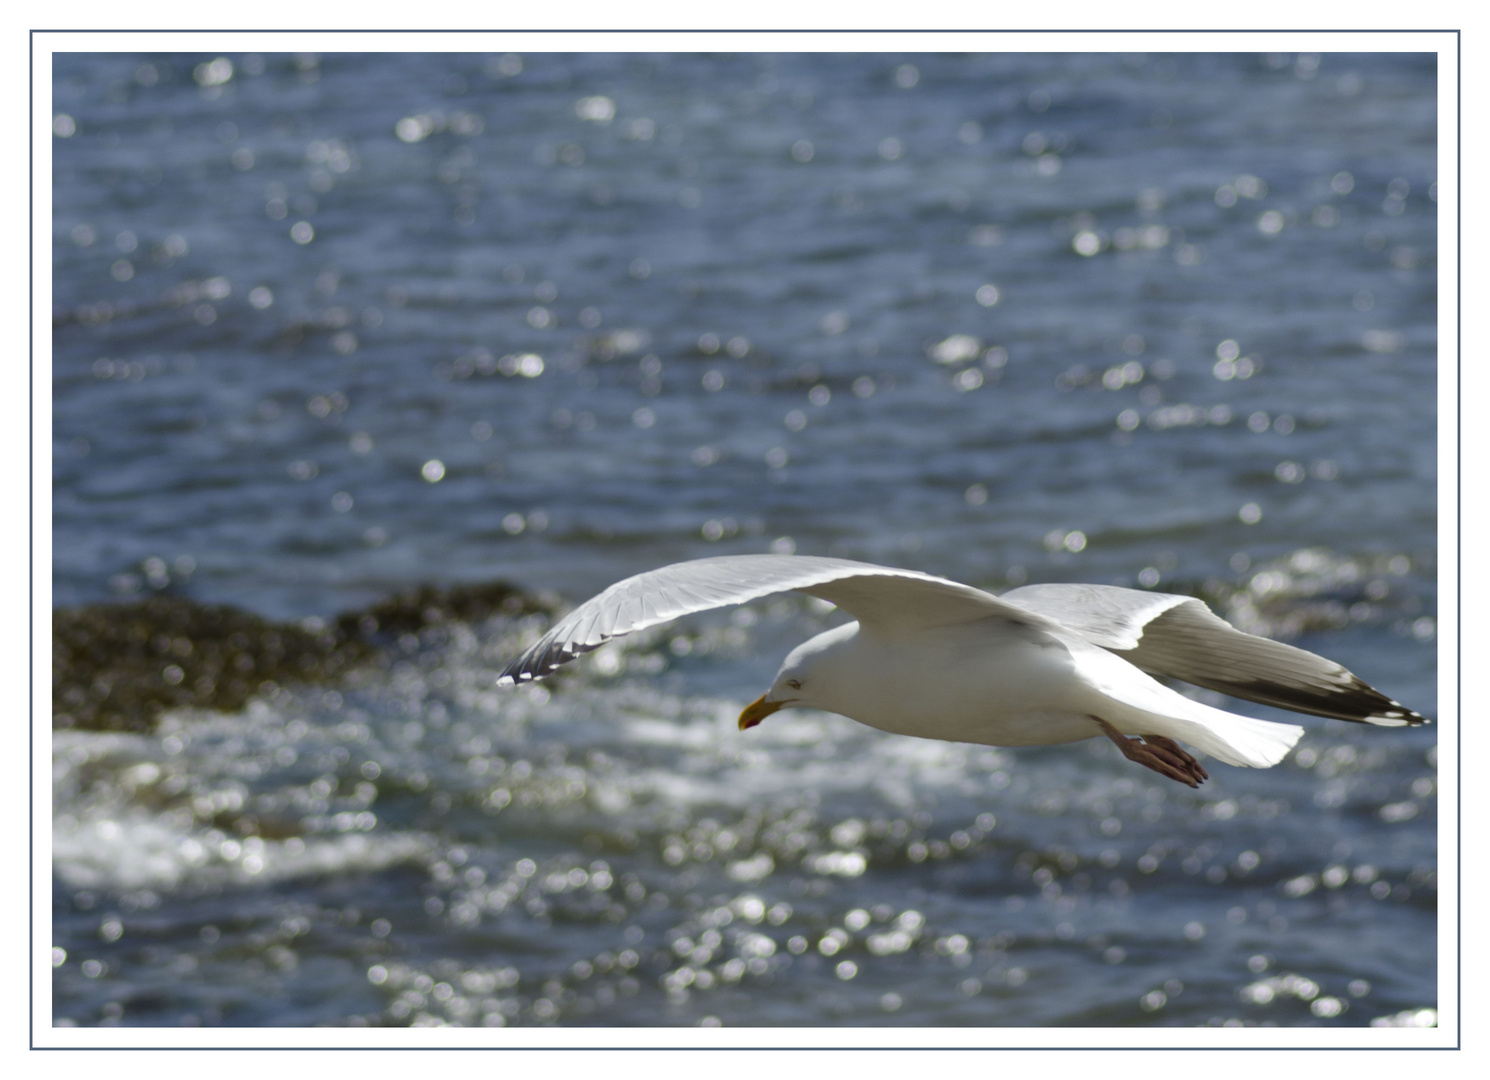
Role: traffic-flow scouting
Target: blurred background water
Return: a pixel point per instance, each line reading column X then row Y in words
column 329, row 327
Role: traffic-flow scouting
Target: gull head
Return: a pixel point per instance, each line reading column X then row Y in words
column 809, row 678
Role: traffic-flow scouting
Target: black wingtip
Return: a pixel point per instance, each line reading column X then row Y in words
column 1399, row 715
column 1351, row 700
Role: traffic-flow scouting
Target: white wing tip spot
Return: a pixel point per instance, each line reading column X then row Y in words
column 1400, row 716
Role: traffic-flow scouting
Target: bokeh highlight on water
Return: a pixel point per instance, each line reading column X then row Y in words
column 327, row 327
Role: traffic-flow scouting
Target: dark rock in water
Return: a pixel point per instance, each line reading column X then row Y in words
column 428, row 605
column 117, row 667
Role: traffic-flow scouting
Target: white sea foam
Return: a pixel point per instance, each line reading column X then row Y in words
column 139, row 852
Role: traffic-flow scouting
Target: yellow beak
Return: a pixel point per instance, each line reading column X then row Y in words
column 758, row 710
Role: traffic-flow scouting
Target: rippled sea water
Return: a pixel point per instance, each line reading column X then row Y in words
column 330, row 327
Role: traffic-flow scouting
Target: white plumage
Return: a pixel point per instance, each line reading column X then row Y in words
column 1039, row 665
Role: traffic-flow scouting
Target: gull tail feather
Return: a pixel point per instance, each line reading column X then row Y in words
column 1235, row 739
column 1140, row 705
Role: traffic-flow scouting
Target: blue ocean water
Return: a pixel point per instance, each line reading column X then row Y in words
column 328, row 327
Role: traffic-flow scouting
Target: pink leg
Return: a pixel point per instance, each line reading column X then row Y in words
column 1158, row 753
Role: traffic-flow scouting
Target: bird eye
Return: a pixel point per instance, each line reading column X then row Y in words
column 794, row 684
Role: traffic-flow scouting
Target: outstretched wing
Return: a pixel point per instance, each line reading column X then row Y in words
column 877, row 596
column 1178, row 636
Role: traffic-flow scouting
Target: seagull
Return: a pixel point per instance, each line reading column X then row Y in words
column 1036, row 666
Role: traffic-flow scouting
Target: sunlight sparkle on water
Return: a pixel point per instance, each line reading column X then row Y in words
column 957, row 349
column 597, row 108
